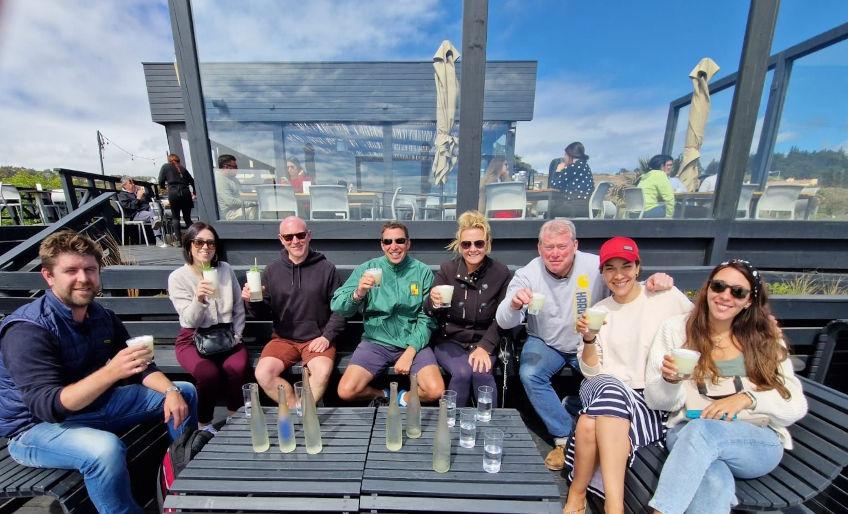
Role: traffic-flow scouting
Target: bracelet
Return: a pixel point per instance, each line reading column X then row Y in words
column 172, row 388
column 356, row 297
column 750, row 395
column 591, row 341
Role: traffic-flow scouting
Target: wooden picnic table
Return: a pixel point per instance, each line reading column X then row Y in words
column 228, row 475
column 404, row 481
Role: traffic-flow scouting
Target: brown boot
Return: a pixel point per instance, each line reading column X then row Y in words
column 555, row 460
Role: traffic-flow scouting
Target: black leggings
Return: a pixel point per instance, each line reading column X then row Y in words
column 181, row 204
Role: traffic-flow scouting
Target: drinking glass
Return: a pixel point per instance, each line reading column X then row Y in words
column 484, row 403
column 450, row 396
column 492, row 450
column 298, row 391
column 467, row 427
column 245, row 390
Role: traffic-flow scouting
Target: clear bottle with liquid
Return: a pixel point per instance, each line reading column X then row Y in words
column 394, row 424
column 258, row 429
column 413, row 409
column 442, row 441
column 285, row 427
column 311, row 426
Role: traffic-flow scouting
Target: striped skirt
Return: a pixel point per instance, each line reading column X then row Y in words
column 605, row 395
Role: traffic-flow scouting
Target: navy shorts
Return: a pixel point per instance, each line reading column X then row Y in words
column 376, row 358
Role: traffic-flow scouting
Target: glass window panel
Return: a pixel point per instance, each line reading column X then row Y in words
column 813, row 135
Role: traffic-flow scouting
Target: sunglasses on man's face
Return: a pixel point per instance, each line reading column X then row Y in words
column 465, row 245
column 738, row 292
column 288, row 237
column 199, row 243
column 399, row 240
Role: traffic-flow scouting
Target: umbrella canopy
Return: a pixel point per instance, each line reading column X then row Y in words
column 699, row 111
column 446, row 93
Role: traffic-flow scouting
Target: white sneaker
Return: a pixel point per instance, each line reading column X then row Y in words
column 209, row 428
column 162, row 244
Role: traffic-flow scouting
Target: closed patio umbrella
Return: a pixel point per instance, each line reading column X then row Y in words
column 446, row 93
column 699, row 111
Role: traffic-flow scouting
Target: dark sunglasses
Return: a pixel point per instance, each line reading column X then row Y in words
column 465, row 245
column 738, row 292
column 400, row 241
column 289, row 237
column 199, row 243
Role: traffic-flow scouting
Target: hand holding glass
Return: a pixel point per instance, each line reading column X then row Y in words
column 447, row 295
column 377, row 273
column 535, row 306
column 595, row 318
column 685, row 360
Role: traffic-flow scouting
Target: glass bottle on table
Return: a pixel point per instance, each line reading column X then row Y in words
column 258, row 430
column 311, row 426
column 442, row 441
column 394, row 425
column 285, row 427
column 413, row 409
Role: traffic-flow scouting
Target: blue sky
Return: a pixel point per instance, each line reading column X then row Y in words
column 607, row 70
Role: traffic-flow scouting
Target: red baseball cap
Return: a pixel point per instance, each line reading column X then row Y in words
column 622, row 247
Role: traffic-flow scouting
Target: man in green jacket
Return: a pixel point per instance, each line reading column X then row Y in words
column 389, row 292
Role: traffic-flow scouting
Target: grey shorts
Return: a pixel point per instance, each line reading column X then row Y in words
column 376, row 358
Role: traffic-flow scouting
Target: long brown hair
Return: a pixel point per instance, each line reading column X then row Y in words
column 752, row 327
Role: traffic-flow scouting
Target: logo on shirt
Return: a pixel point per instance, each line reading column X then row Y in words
column 413, row 289
column 107, row 341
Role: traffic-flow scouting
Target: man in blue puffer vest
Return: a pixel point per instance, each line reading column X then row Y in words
column 68, row 379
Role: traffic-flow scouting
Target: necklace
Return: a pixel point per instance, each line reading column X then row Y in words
column 716, row 340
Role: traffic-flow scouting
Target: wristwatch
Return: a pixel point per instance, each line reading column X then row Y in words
column 172, row 388
column 750, row 395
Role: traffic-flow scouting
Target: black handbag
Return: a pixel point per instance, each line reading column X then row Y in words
column 215, row 339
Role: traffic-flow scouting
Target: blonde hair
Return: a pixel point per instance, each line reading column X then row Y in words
column 468, row 220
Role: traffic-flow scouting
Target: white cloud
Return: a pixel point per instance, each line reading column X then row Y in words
column 614, row 125
column 71, row 68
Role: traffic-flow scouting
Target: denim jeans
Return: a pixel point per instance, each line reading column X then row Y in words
column 85, row 442
column 540, row 362
column 706, row 455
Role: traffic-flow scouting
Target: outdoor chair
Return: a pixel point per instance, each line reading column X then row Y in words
column 57, row 197
column 743, row 207
column 634, row 203
column 777, row 200
column 142, row 230
column 403, row 204
column 506, row 200
column 10, row 200
column 433, row 208
column 330, row 200
column 596, row 201
column 276, row 201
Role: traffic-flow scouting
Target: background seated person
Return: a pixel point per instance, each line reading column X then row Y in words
column 297, row 175
column 573, row 177
column 136, row 204
column 497, row 171
column 396, row 327
column 659, row 195
column 229, row 191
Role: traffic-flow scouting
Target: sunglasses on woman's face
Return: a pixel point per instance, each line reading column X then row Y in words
column 465, row 245
column 738, row 292
column 199, row 243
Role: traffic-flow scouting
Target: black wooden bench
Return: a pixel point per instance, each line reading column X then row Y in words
column 146, row 446
column 818, row 458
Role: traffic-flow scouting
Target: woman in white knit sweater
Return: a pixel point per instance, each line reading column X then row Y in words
column 732, row 329
column 200, row 305
column 615, row 422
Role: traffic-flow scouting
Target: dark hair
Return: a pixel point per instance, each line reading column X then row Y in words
column 191, row 233
column 752, row 327
column 658, row 161
column 224, row 159
column 296, row 162
column 395, row 224
column 576, row 151
column 67, row 241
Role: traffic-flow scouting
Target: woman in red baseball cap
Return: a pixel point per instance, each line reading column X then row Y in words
column 615, row 421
